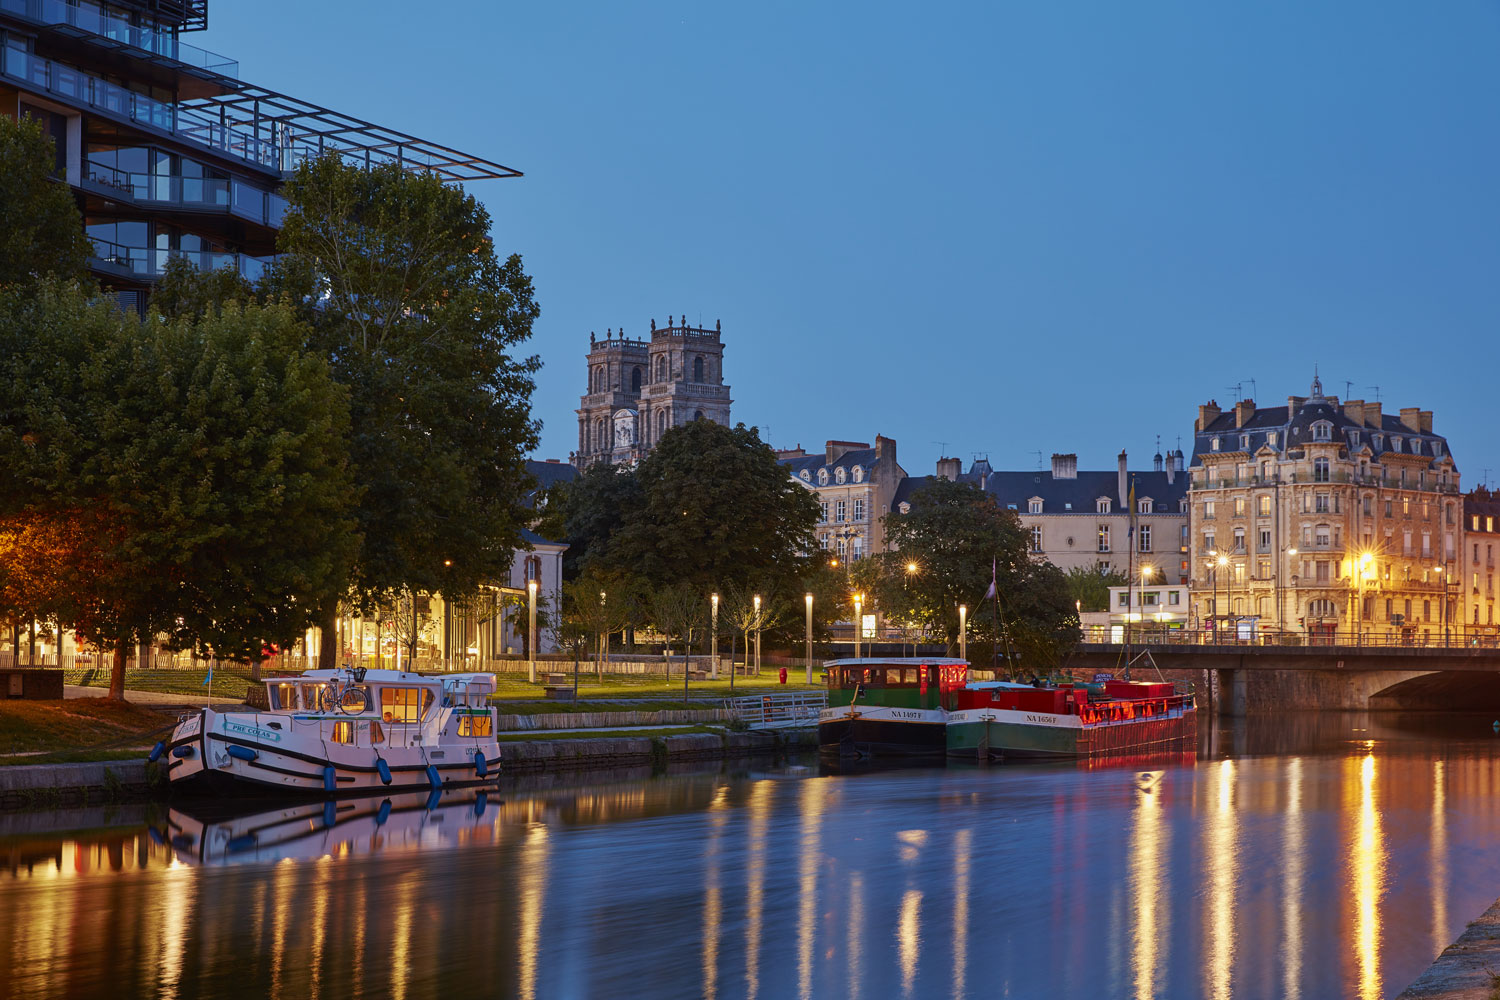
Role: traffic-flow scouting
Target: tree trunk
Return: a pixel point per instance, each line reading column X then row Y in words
column 255, row 669
column 328, row 650
column 117, row 673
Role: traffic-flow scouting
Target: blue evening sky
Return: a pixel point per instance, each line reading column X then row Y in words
column 1010, row 227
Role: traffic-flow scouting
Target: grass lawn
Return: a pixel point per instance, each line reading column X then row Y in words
column 228, row 682
column 44, row 732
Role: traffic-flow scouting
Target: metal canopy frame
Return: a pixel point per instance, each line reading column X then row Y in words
column 300, row 129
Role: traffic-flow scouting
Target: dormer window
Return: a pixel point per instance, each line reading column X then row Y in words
column 1101, row 506
column 804, row 476
column 1416, row 446
column 1437, row 449
column 1214, row 444
column 1354, row 439
column 1396, row 443
column 1034, row 505
column 1271, row 439
column 1379, row 441
column 839, row 474
column 822, row 477
column 1244, row 442
column 1143, row 506
column 1322, row 431
column 859, row 473
column 1182, row 506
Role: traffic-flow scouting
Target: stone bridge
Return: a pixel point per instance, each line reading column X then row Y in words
column 1245, row 678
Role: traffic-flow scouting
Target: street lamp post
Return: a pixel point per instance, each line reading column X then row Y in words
column 713, row 637
column 603, row 645
column 757, row 635
column 963, row 632
column 1218, row 568
column 1146, row 574
column 1280, row 604
column 911, row 568
column 858, row 621
column 809, row 599
column 531, row 586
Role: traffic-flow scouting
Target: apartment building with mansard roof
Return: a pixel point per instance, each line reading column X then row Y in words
column 1474, row 584
column 855, row 485
column 1082, row 519
column 1319, row 516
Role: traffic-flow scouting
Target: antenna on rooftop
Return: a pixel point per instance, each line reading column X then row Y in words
column 1377, row 391
column 942, row 448
column 1038, row 455
column 1253, row 388
column 1348, row 388
column 1484, row 480
column 1238, row 389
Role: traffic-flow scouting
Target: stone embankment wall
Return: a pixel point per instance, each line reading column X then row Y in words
column 1466, row 970
column 28, row 786
column 612, row 720
column 541, row 755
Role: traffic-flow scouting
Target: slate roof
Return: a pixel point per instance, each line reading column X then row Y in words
column 1298, row 431
column 847, row 461
column 1017, row 488
column 548, row 473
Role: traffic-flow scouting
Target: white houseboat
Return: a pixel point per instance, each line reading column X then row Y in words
column 343, row 731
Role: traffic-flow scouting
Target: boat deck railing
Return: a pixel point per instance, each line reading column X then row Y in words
column 788, row 710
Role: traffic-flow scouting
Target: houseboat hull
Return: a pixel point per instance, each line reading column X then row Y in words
column 879, row 731
column 989, row 733
column 232, row 753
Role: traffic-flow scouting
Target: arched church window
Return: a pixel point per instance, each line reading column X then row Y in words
column 698, row 369
column 661, row 368
column 661, row 423
column 697, row 414
column 635, row 379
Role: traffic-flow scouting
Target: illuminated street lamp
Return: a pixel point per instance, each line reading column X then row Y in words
column 809, row 599
column 757, row 635
column 713, row 637
column 858, row 606
column 1146, row 573
column 1219, row 565
column 963, row 632
column 531, row 586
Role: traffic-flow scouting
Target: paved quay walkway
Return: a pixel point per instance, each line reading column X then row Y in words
column 150, row 697
column 1467, row 968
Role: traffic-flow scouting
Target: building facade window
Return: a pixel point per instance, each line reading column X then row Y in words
column 823, row 517
column 839, row 475
column 1036, row 538
column 1101, row 506
column 1239, row 539
column 1103, row 536
column 1033, row 506
column 1143, row 506
column 839, row 510
column 1320, row 470
column 1145, row 538
column 1209, row 507
column 1264, row 507
column 859, row 508
column 1239, row 506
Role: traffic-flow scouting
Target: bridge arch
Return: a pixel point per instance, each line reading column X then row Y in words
column 1441, row 691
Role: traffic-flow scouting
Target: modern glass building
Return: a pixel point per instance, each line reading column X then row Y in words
column 167, row 150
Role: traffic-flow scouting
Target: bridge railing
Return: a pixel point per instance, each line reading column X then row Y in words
column 789, row 710
column 1451, row 639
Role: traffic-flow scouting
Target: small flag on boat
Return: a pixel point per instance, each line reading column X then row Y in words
column 208, row 676
column 992, row 591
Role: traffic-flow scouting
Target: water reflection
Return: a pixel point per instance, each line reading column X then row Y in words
column 1320, row 870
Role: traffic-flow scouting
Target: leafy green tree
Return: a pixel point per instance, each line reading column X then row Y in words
column 587, row 513
column 41, row 232
column 676, row 612
column 1090, row 587
column 198, row 466
column 398, row 280
column 184, row 290
column 960, row 539
column 715, row 508
column 601, row 604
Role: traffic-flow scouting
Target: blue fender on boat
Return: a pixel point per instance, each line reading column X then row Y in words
column 243, row 753
column 157, row 751
column 330, row 813
column 383, row 813
column 384, row 770
column 433, row 778
column 481, row 766
column 182, row 752
column 243, row 842
column 330, row 778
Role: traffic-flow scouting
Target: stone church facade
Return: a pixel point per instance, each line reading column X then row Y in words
column 637, row 389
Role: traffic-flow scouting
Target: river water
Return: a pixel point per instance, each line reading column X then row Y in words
column 1326, row 856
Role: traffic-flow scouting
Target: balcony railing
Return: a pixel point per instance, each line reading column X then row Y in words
column 150, row 40
column 208, row 193
column 150, row 262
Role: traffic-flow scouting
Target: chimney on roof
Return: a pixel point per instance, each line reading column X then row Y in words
column 1354, row 409
column 554, row 461
column 1171, row 467
column 1207, row 414
column 1426, row 421
column 1374, row 417
column 1124, row 496
column 1243, row 411
column 949, row 468
column 885, row 451
column 1411, row 418
column 1064, row 466
column 1293, row 403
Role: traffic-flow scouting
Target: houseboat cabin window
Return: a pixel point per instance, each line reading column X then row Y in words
column 311, row 697
column 343, row 732
column 405, row 704
column 377, row 735
column 476, row 725
column 283, row 696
